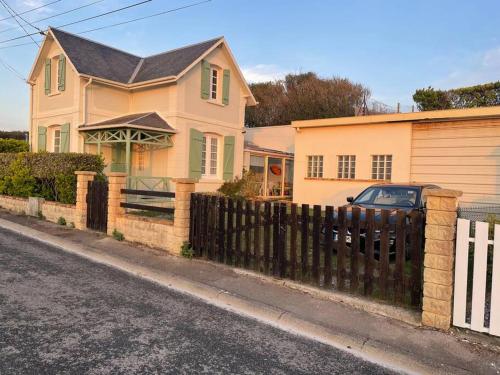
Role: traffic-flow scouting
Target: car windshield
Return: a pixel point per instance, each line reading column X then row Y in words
column 388, row 196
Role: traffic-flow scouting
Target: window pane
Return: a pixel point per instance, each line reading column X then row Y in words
column 203, row 155
column 213, row 156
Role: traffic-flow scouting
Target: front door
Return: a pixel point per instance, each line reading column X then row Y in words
column 118, row 159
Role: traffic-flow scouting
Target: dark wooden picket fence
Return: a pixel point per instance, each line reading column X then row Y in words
column 97, row 205
column 374, row 253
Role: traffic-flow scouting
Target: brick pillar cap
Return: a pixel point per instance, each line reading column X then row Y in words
column 116, row 174
column 185, row 180
column 442, row 193
column 85, row 173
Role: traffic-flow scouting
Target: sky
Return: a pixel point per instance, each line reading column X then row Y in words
column 391, row 46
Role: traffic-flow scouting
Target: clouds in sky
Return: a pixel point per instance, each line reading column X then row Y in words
column 480, row 68
column 263, row 73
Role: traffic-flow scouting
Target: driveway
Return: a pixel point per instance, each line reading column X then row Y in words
column 62, row 314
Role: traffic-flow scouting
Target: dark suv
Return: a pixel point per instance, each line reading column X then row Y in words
column 393, row 197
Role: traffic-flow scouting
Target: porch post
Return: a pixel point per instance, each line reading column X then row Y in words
column 127, row 152
column 99, row 143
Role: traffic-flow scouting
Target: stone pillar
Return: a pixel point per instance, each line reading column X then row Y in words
column 439, row 257
column 82, row 181
column 183, row 189
column 117, row 181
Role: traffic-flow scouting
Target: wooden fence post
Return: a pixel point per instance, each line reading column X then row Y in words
column 82, row 180
column 440, row 231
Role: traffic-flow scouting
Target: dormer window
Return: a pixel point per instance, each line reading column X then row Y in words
column 214, row 83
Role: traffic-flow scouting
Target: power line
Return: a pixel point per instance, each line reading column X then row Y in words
column 11, row 11
column 32, row 9
column 85, row 19
column 145, row 17
column 121, row 23
column 11, row 68
column 26, row 22
column 56, row 15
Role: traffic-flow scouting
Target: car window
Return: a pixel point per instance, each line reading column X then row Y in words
column 388, row 196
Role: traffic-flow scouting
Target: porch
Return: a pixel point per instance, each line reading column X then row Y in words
column 272, row 169
column 134, row 144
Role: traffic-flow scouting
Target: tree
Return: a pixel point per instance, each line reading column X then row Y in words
column 14, row 134
column 303, row 97
column 465, row 97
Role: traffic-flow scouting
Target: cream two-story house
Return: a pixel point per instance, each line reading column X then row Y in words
column 177, row 114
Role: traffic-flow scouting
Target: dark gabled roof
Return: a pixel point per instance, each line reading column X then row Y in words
column 171, row 63
column 97, row 60
column 148, row 119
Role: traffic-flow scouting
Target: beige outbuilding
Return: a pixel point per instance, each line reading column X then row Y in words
column 455, row 149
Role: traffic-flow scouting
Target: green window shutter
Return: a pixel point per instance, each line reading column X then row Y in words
column 47, row 76
column 65, row 138
column 205, row 79
column 225, row 87
column 42, row 138
column 228, row 170
column 195, row 144
column 61, row 73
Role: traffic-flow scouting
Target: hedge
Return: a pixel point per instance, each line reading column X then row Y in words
column 47, row 175
column 13, row 145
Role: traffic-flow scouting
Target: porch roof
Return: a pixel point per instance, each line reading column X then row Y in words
column 253, row 148
column 148, row 120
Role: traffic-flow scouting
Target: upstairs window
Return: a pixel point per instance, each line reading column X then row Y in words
column 346, row 166
column 214, row 83
column 315, row 166
column 382, row 167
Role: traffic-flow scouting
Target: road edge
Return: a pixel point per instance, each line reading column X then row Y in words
column 267, row 314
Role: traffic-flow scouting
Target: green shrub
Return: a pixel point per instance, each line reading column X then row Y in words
column 53, row 173
column 61, row 221
column 246, row 187
column 118, row 235
column 18, row 180
column 13, row 145
column 187, row 251
column 65, row 188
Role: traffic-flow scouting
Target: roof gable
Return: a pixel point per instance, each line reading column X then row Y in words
column 107, row 63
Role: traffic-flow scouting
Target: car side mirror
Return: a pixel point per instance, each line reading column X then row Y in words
column 350, row 199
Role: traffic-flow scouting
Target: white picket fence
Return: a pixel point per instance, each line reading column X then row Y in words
column 479, row 278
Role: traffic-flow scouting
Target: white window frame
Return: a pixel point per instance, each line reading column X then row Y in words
column 214, row 87
column 56, row 139
column 315, row 166
column 382, row 167
column 210, row 147
column 346, row 167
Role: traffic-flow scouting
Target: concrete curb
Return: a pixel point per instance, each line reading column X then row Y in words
column 267, row 314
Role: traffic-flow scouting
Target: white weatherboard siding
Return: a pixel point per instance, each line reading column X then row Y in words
column 459, row 155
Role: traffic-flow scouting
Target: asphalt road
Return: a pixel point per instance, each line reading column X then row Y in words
column 63, row 314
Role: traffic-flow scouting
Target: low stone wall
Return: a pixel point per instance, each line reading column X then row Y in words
column 14, row 204
column 53, row 211
column 152, row 232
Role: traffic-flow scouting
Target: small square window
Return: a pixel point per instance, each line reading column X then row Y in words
column 315, row 166
column 346, row 168
column 381, row 167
